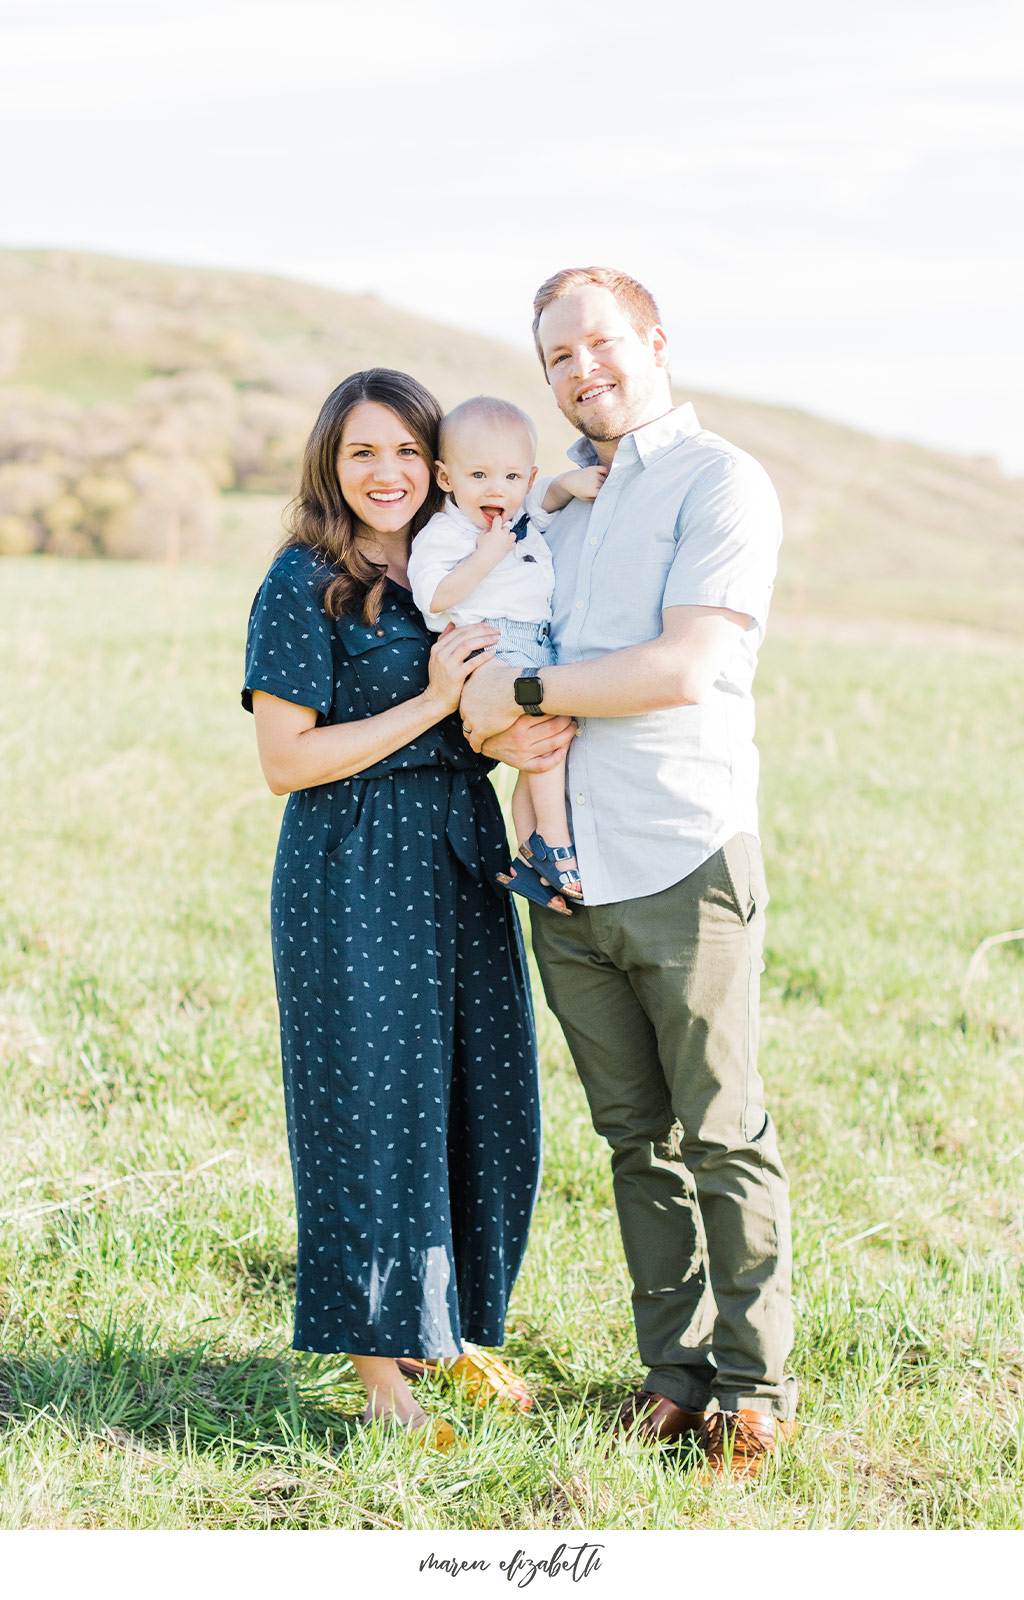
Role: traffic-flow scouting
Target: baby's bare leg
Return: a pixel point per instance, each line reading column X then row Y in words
column 524, row 818
column 547, row 794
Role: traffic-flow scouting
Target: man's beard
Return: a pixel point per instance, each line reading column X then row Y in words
column 629, row 412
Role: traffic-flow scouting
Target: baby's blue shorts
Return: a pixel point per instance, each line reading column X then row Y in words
column 523, row 644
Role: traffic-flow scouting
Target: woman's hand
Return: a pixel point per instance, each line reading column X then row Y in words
column 450, row 663
column 296, row 754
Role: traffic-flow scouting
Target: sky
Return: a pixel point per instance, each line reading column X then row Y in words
column 827, row 198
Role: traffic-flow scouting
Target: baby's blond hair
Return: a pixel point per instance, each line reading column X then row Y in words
column 484, row 408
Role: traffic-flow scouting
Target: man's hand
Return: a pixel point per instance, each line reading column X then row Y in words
column 533, row 744
column 488, row 705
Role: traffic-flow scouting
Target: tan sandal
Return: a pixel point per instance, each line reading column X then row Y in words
column 436, row 1434
column 433, row 1433
column 485, row 1377
column 481, row 1375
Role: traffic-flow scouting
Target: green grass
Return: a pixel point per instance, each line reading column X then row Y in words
column 148, row 1235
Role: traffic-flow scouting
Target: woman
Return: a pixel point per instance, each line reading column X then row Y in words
column 406, row 1026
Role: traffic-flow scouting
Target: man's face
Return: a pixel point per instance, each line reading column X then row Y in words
column 605, row 378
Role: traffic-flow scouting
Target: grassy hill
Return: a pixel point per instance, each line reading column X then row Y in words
column 147, row 1252
column 875, row 528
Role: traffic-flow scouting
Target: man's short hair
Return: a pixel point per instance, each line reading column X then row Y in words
column 485, row 408
column 637, row 303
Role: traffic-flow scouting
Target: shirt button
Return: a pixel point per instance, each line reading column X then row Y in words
column 593, row 541
column 579, row 605
column 581, row 799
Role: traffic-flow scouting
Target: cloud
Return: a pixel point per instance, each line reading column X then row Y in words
column 847, row 170
column 97, row 62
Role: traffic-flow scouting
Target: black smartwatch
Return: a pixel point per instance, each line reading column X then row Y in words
column 529, row 691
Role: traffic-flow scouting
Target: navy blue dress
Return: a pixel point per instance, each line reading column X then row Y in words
column 407, row 1036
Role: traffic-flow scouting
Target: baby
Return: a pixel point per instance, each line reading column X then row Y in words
column 475, row 562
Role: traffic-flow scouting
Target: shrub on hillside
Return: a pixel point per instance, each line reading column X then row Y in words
column 138, row 480
column 18, row 536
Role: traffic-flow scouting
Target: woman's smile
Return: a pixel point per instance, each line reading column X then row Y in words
column 382, row 471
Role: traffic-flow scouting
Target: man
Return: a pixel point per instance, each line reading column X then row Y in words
column 661, row 597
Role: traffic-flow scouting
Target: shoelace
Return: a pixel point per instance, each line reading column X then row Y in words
column 742, row 1436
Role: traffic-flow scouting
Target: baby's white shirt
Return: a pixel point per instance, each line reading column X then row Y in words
column 516, row 588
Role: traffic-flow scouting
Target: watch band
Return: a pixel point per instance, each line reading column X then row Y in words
column 529, row 691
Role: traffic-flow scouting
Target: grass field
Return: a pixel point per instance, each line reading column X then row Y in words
column 147, row 1230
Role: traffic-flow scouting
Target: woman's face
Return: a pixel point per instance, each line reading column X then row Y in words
column 383, row 473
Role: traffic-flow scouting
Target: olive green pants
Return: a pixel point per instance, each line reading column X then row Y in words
column 658, row 999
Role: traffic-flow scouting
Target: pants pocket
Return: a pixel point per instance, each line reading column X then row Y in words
column 736, row 869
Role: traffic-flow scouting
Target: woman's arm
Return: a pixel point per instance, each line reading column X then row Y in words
column 296, row 754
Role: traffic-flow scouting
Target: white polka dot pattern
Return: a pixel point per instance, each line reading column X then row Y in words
column 407, row 1037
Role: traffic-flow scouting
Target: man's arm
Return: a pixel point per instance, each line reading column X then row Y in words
column 675, row 669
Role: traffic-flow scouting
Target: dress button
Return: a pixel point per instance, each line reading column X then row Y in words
column 380, row 633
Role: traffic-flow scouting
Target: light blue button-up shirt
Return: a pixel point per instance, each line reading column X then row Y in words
column 683, row 519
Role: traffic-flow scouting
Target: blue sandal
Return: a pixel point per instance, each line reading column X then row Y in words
column 544, row 858
column 525, row 880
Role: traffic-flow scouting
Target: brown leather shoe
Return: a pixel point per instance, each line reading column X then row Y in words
column 738, row 1444
column 654, row 1419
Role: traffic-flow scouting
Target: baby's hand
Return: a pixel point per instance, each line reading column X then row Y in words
column 584, row 483
column 496, row 541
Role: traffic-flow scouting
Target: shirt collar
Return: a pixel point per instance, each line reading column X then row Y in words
column 644, row 444
column 460, row 518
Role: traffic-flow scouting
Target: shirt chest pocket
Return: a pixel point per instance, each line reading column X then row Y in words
column 380, row 666
column 628, row 588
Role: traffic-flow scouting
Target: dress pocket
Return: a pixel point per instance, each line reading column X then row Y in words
column 358, row 639
column 346, row 823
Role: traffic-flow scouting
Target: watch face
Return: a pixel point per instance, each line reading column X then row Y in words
column 528, row 691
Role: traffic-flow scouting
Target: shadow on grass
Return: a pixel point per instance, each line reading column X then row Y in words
column 133, row 1382
column 126, row 1380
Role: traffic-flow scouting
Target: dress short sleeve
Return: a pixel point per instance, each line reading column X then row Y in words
column 729, row 530
column 288, row 648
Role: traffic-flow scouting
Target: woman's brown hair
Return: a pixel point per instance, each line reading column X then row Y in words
column 319, row 517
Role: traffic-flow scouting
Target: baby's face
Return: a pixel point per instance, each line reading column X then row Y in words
column 488, row 470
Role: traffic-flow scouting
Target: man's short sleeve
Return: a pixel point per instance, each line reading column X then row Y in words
column 288, row 648
column 729, row 530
